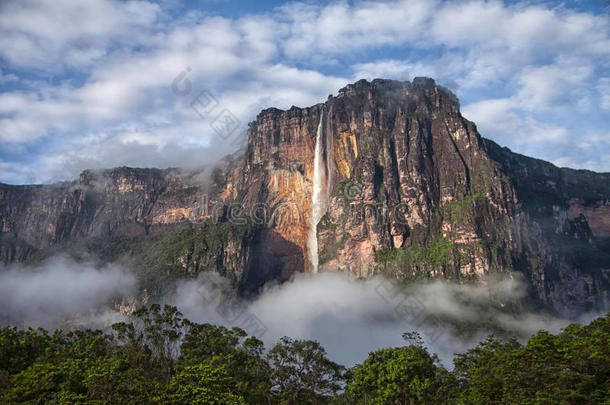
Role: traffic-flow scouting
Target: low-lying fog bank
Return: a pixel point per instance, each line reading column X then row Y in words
column 348, row 317
column 353, row 317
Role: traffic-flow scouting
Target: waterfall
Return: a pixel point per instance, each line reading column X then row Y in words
column 328, row 148
column 317, row 200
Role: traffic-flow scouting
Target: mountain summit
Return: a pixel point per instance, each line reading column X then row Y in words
column 386, row 178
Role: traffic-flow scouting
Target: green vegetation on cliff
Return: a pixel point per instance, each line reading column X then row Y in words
column 188, row 250
column 174, row 252
column 417, row 261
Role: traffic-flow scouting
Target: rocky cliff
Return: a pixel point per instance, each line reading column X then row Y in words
column 407, row 187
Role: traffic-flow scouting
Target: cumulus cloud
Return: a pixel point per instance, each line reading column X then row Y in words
column 340, row 28
column 353, row 317
column 6, row 78
column 498, row 116
column 57, row 34
column 523, row 31
column 562, row 84
column 445, row 70
column 593, row 152
column 603, row 88
column 61, row 291
column 98, row 76
column 510, row 122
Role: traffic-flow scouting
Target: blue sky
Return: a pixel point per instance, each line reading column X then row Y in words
column 89, row 84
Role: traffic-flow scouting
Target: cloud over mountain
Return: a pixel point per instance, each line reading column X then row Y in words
column 90, row 85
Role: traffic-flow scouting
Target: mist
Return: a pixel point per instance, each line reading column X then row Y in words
column 62, row 293
column 352, row 317
column 349, row 317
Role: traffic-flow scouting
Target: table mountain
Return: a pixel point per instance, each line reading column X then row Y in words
column 401, row 185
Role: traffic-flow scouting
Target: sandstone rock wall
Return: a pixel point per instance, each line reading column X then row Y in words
column 413, row 192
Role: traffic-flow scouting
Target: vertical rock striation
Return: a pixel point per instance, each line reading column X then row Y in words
column 416, row 192
column 401, row 185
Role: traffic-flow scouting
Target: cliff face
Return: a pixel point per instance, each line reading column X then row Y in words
column 395, row 154
column 117, row 201
column 560, row 232
column 408, row 189
column 413, row 191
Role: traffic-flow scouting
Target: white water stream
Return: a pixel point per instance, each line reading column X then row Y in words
column 318, row 198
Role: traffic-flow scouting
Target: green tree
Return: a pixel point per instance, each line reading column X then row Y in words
column 569, row 368
column 113, row 380
column 20, row 348
column 158, row 357
column 43, row 383
column 152, row 338
column 241, row 355
column 476, row 370
column 301, row 373
column 204, row 383
column 404, row 375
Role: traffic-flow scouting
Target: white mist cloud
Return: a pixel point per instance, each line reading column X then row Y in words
column 88, row 84
column 351, row 317
column 61, row 290
column 56, row 34
column 348, row 317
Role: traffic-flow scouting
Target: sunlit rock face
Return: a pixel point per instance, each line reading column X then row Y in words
column 414, row 191
column 396, row 153
column 408, row 189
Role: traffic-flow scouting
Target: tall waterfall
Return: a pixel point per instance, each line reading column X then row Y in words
column 328, row 147
column 317, row 200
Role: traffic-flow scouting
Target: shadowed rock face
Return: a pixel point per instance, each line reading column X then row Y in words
column 118, row 201
column 412, row 191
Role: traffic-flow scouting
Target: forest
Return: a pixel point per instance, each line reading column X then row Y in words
column 158, row 356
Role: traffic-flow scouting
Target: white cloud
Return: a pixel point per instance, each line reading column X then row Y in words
column 536, row 58
column 55, row 34
column 350, row 317
column 524, row 32
column 57, row 290
column 445, row 70
column 7, row 78
column 126, row 112
column 557, row 85
column 338, row 28
column 603, row 88
column 522, row 132
column 498, row 117
column 589, row 150
column 390, row 69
